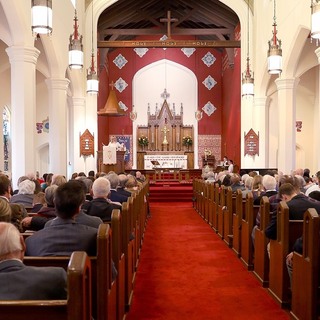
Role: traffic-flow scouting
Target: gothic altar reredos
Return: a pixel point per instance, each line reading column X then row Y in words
column 165, row 134
column 165, row 130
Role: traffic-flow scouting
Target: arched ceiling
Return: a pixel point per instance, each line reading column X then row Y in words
column 204, row 19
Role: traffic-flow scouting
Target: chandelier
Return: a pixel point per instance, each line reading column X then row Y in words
column 275, row 51
column 75, row 47
column 247, row 76
column 92, row 75
column 315, row 20
column 41, row 16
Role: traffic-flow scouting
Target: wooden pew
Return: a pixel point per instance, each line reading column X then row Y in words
column 206, row 202
column 211, row 203
column 128, row 249
column 288, row 231
column 237, row 218
column 119, row 260
column 247, row 223
column 227, row 219
column 77, row 306
column 215, row 207
column 305, row 276
column 221, row 211
column 261, row 258
column 104, row 291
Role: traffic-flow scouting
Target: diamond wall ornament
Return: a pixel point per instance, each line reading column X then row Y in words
column 120, row 61
column 209, row 82
column 188, row 51
column 140, row 51
column 208, row 59
column 209, row 108
column 120, row 85
column 123, row 106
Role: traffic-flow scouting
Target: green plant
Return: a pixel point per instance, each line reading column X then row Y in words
column 187, row 141
column 143, row 141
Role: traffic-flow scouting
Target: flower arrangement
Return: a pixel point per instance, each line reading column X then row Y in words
column 143, row 141
column 187, row 141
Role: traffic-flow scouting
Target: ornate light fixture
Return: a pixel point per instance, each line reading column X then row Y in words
column 133, row 114
column 75, row 47
column 92, row 75
column 198, row 115
column 41, row 16
column 315, row 20
column 275, row 51
column 112, row 107
column 247, row 76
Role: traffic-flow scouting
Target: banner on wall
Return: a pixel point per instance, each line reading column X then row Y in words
column 126, row 141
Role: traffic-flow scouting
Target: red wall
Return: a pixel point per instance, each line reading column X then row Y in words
column 225, row 95
column 231, row 115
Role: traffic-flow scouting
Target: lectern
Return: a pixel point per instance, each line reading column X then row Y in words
column 117, row 167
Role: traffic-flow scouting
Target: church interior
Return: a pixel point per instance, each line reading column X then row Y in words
column 190, row 60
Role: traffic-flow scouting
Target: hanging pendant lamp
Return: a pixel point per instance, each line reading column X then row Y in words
column 75, row 47
column 275, row 51
column 41, row 16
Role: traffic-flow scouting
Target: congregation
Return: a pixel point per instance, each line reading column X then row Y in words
column 60, row 217
column 298, row 189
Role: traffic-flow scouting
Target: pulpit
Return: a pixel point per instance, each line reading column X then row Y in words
column 117, row 167
column 209, row 161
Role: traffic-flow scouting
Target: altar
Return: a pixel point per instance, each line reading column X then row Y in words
column 165, row 139
column 165, row 161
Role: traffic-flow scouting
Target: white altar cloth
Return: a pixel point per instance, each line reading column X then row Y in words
column 165, row 161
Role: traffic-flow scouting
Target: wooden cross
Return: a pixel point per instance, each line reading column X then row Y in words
column 112, row 85
column 168, row 20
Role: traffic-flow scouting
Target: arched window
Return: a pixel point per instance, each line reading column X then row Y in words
column 6, row 139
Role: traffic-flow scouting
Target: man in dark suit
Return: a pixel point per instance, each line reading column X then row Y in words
column 122, row 184
column 114, row 195
column 100, row 206
column 269, row 184
column 20, row 282
column 64, row 235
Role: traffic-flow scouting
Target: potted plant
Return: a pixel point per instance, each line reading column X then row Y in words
column 143, row 141
column 187, row 141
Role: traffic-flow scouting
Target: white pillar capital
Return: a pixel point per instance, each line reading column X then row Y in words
column 57, row 83
column 79, row 102
column 283, row 84
column 23, row 54
column 261, row 101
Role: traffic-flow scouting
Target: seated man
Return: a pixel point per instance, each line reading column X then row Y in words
column 298, row 204
column 114, row 195
column 100, row 206
column 64, row 235
column 19, row 282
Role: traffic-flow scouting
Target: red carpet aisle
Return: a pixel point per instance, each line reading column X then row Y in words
column 187, row 272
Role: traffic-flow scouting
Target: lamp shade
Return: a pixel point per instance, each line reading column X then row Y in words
column 41, row 16
column 315, row 20
column 247, row 86
column 112, row 106
column 274, row 60
column 75, row 47
column 92, row 83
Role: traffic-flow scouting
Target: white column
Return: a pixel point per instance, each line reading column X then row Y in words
column 58, row 125
column 23, row 109
column 77, row 126
column 261, row 121
column 287, row 124
column 316, row 148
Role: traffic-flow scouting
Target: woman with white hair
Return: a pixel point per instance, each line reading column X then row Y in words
column 25, row 194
